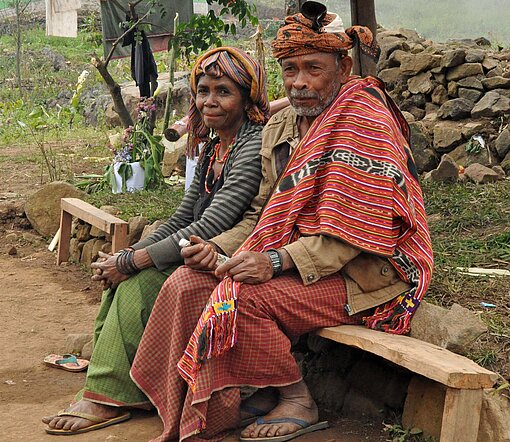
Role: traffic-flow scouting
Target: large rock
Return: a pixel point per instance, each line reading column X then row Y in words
column 464, row 70
column 136, row 226
column 424, row 157
column 43, row 207
column 149, row 229
column 421, row 83
column 469, row 94
column 464, row 158
column 471, row 83
column 481, row 174
column 446, row 172
column 494, row 422
column 173, row 152
column 446, row 136
column 496, row 83
column 456, row 109
column 391, row 77
column 491, row 105
column 455, row 329
column 414, row 64
column 453, row 58
column 503, row 143
column 475, row 56
column 439, row 95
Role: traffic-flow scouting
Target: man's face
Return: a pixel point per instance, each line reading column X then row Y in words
column 312, row 81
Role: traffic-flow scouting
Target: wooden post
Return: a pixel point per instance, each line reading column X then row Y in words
column 461, row 415
column 363, row 13
column 65, row 236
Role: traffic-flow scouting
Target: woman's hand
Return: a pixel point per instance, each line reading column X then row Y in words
column 200, row 255
column 106, row 271
column 249, row 267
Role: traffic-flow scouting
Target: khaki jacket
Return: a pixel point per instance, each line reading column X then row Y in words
column 370, row 280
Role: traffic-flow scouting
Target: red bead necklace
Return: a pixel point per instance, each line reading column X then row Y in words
column 216, row 159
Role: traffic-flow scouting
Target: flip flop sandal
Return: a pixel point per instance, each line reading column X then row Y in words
column 98, row 422
column 66, row 362
column 306, row 428
column 255, row 414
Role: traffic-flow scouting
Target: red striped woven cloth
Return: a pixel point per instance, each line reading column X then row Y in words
column 352, row 177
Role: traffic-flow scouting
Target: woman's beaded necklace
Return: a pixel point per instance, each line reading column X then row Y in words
column 215, row 158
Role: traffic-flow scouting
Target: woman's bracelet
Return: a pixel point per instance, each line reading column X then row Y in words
column 125, row 262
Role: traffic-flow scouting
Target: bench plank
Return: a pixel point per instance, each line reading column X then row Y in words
column 420, row 357
column 461, row 417
column 105, row 222
column 90, row 214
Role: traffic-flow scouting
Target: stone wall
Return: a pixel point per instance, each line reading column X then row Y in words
column 455, row 96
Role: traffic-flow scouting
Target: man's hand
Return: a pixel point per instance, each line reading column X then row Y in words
column 200, row 255
column 249, row 267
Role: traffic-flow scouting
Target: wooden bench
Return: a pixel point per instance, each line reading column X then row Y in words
column 105, row 222
column 463, row 378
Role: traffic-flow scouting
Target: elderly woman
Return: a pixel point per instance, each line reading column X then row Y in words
column 228, row 109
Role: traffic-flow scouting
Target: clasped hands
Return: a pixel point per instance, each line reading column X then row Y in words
column 106, row 271
column 246, row 266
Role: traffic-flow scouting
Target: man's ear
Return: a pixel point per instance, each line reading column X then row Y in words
column 344, row 68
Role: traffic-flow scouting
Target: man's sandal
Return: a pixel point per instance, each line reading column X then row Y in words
column 97, row 422
column 306, row 427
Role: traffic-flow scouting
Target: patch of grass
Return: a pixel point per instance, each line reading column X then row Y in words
column 153, row 205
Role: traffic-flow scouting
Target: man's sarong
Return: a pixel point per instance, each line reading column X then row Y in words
column 270, row 315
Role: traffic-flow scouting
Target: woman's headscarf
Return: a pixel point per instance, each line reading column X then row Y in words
column 299, row 36
column 240, row 68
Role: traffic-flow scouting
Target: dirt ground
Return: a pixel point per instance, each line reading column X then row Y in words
column 40, row 304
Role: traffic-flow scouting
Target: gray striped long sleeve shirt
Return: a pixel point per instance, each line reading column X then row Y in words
column 242, row 175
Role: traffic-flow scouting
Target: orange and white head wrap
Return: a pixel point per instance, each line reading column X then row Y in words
column 240, row 68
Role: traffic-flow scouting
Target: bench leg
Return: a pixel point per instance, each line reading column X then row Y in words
column 119, row 237
column 461, row 415
column 65, row 237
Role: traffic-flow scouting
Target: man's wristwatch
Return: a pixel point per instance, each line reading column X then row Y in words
column 276, row 261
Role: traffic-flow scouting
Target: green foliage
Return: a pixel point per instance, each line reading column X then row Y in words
column 155, row 204
column 399, row 434
column 203, row 31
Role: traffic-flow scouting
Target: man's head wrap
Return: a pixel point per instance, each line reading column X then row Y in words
column 240, row 68
column 300, row 36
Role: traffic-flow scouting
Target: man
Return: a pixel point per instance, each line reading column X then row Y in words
column 341, row 239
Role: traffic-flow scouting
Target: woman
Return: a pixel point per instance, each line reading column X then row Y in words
column 229, row 102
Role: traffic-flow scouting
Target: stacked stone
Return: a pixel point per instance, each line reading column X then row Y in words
column 87, row 241
column 451, row 92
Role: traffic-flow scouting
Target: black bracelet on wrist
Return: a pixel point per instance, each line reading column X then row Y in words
column 276, row 261
column 125, row 262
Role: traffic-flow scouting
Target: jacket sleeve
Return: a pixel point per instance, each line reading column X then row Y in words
column 226, row 209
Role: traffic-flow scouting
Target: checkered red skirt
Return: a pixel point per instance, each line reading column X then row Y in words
column 270, row 315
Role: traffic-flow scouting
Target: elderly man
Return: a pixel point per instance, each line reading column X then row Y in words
column 341, row 239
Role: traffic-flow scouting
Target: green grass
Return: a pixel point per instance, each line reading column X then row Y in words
column 153, row 205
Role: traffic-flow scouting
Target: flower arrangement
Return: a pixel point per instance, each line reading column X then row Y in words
column 138, row 145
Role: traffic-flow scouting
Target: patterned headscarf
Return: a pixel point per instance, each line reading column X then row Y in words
column 297, row 37
column 239, row 67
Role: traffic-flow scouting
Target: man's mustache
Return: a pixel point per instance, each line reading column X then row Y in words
column 299, row 95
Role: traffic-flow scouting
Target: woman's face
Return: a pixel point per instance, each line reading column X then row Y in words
column 221, row 103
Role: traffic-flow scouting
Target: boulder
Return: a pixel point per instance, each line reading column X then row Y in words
column 475, row 56
column 471, row 83
column 136, row 227
column 496, row 83
column 439, row 95
column 472, row 95
column 502, row 143
column 74, row 342
column 391, row 77
column 424, row 156
column 455, row 329
column 446, row 172
column 456, row 109
column 491, row 105
column 494, row 422
column 453, row 89
column 414, row 64
column 453, row 58
column 481, row 174
column 151, row 228
column 464, row 158
column 464, row 70
column 446, row 136
column 489, row 63
column 472, row 128
column 173, row 151
column 421, row 83
column 43, row 207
